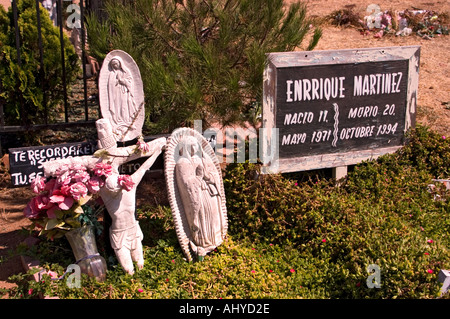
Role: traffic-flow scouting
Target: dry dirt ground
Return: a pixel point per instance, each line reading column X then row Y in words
column 434, row 92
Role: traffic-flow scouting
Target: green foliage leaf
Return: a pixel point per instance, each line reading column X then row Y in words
column 51, row 223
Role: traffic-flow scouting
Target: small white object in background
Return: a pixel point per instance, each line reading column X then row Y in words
column 404, row 32
column 444, row 277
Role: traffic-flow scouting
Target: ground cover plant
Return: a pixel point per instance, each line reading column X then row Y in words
column 293, row 237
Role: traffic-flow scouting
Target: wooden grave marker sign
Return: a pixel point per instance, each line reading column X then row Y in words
column 26, row 162
column 337, row 108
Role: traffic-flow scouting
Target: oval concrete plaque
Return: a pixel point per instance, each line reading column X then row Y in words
column 196, row 193
column 122, row 95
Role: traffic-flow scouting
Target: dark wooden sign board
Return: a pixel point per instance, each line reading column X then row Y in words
column 26, row 162
column 337, row 108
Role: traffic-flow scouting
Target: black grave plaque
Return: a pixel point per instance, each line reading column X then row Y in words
column 26, row 162
column 335, row 108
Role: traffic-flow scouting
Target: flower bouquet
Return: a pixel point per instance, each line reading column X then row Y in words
column 69, row 200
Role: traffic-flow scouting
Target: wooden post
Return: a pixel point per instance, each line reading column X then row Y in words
column 339, row 172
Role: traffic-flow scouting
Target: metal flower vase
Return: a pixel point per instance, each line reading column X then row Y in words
column 84, row 247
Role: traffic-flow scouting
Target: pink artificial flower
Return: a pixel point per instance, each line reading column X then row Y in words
column 65, row 178
column 94, row 184
column 77, row 168
column 430, row 271
column 292, row 270
column 51, row 212
column 50, row 186
column 101, row 169
column 253, row 271
column 78, row 190
column 30, row 291
column 386, row 19
column 52, row 274
column 426, row 254
column 62, row 169
column 75, row 172
column 140, row 290
column 38, row 184
column 324, row 240
column 43, row 202
column 65, row 190
column 63, row 201
column 143, row 147
column 81, row 176
column 379, row 34
column 126, row 182
column 31, row 210
column 430, row 241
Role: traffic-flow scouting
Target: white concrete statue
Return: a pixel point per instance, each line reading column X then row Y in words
column 122, row 95
column 196, row 193
column 118, row 191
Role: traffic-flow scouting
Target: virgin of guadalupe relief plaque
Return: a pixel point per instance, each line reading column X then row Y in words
column 122, row 95
column 196, row 193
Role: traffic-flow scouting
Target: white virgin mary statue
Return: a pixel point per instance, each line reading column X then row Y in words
column 120, row 95
column 198, row 184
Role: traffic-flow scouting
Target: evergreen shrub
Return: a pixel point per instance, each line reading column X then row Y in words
column 200, row 60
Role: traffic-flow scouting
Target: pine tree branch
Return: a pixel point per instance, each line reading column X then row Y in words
column 241, row 53
column 158, row 34
column 170, row 21
column 194, row 21
column 315, row 39
column 226, row 5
